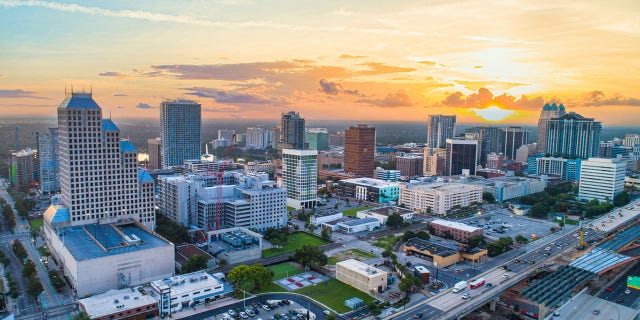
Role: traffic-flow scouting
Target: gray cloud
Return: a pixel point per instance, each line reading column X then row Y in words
column 599, row 98
column 394, row 99
column 143, row 105
column 119, row 95
column 334, row 88
column 18, row 93
column 114, row 74
column 233, row 97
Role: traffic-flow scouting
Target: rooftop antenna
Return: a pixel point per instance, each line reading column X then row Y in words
column 91, row 89
column 109, row 113
column 72, row 88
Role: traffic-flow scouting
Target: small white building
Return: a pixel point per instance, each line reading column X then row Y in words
column 361, row 276
column 121, row 304
column 601, row 179
column 318, row 219
column 382, row 214
column 188, row 290
column 359, row 225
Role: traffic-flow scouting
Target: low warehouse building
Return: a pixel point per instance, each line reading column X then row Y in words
column 361, row 276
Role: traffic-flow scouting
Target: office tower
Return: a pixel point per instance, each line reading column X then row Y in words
column 601, row 179
column 573, row 135
column 514, row 138
column 387, row 175
column 154, row 147
column 461, row 155
column 22, row 168
column 434, row 162
column 410, row 165
column 494, row 161
column 336, row 139
column 220, row 143
column 180, row 122
column 523, row 153
column 549, row 111
column 226, row 134
column 49, row 161
column 258, row 138
column 565, row 169
column 317, row 139
column 291, row 131
column 631, row 140
column 359, row 150
column 300, row 177
column 491, row 140
column 99, row 176
column 439, row 129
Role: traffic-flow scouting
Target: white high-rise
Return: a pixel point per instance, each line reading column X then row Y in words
column 601, row 179
column 300, row 177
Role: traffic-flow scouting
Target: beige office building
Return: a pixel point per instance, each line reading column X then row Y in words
column 361, row 276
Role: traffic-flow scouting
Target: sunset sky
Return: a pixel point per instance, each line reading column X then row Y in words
column 493, row 61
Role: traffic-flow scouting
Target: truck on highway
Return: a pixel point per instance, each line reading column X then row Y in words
column 459, row 286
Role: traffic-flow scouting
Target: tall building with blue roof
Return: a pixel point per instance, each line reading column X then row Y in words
column 180, row 123
column 549, row 111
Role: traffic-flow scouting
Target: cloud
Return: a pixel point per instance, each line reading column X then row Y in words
column 478, row 67
column 500, row 40
column 119, row 95
column 348, row 56
column 499, row 85
column 113, row 74
column 234, row 97
column 143, row 105
column 394, row 99
column 484, row 98
column 334, row 88
column 229, row 72
column 376, row 68
column 428, row 63
column 598, row 98
column 343, row 12
column 18, row 93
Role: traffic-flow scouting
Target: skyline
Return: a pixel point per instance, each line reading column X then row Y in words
column 242, row 59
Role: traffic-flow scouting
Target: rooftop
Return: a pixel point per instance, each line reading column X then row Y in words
column 144, row 176
column 583, row 305
column 114, row 301
column 432, row 247
column 360, row 267
column 455, row 225
column 370, row 182
column 127, row 146
column 195, row 281
column 108, row 125
column 101, row 240
column 357, row 222
column 445, row 186
column 573, row 116
column 387, row 211
column 79, row 100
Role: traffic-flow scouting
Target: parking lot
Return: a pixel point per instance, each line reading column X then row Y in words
column 265, row 310
column 502, row 223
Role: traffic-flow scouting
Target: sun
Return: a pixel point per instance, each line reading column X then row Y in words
column 493, row 113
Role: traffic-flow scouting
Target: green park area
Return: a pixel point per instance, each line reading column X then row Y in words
column 295, row 241
column 354, row 211
column 350, row 254
column 36, row 224
column 286, row 269
column 386, row 242
column 333, row 293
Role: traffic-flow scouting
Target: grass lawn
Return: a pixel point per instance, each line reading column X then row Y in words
column 36, row 224
column 285, row 269
column 334, row 293
column 386, row 242
column 295, row 241
column 272, row 287
column 351, row 253
column 353, row 211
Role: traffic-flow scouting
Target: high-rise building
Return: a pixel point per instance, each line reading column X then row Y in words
column 317, row 139
column 291, row 131
column 336, row 139
column 258, row 138
column 99, row 178
column 491, row 140
column 410, row 165
column 523, row 153
column 180, row 122
column 226, row 134
column 601, row 179
column 49, row 161
column 300, row 177
column 631, row 140
column 566, row 169
column 514, row 138
column 461, row 155
column 434, row 162
column 220, row 143
column 387, row 175
column 359, row 150
column 573, row 135
column 22, row 168
column 154, row 147
column 439, row 129
column 549, row 111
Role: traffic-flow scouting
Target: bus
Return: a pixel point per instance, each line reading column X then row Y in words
column 477, row 283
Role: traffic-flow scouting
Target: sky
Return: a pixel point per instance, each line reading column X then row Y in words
column 485, row 61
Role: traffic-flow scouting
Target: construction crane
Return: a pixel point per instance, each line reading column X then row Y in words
column 581, row 244
column 219, row 176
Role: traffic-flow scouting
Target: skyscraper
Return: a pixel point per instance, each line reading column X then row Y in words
column 154, row 147
column 439, row 129
column 461, row 155
column 409, row 164
column 359, row 150
column 549, row 111
column 22, row 168
column 573, row 135
column 49, row 161
column 490, row 140
column 514, row 138
column 180, row 123
column 300, row 177
column 99, row 176
column 317, row 139
column 258, row 138
column 601, row 179
column 291, row 131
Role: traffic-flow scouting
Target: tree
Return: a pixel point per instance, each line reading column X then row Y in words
column 423, row 235
column 250, row 278
column 34, row 287
column 488, row 197
column 394, row 220
column 475, row 241
column 539, row 210
column 521, row 239
column 28, row 269
column 82, row 316
column 330, row 316
column 407, row 234
column 406, row 284
column 312, row 227
column 622, row 199
column 171, row 230
column 222, row 263
column 195, row 263
column 325, row 234
column 311, row 256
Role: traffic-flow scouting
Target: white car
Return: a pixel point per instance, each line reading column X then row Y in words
column 506, row 275
column 627, row 291
column 266, row 307
column 243, row 315
column 466, row 296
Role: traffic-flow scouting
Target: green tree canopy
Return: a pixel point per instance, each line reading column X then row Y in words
column 195, row 263
column 250, row 278
column 394, row 221
column 311, row 256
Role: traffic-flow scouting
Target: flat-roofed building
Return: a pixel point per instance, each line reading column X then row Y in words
column 320, row 218
column 439, row 197
column 368, row 189
column 361, row 276
column 443, row 255
column 358, row 225
column 509, row 187
column 382, row 214
column 601, row 179
column 186, row 290
column 454, row 230
column 129, row 303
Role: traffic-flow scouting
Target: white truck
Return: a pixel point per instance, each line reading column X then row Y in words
column 459, row 286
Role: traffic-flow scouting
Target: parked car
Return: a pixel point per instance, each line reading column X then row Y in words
column 266, row 307
column 243, row 315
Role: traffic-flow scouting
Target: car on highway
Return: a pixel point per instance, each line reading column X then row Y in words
column 489, row 285
column 417, row 315
column 466, row 296
column 609, row 289
column 506, row 275
column 532, row 262
column 619, row 300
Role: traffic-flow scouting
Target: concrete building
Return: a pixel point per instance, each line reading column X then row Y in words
column 180, row 123
column 361, row 276
column 632, row 182
column 220, row 143
column 454, row 230
column 494, row 161
column 601, row 179
column 226, row 134
column 330, row 159
column 443, row 255
column 631, row 140
column 514, row 138
column 410, row 165
column 461, row 155
column 490, row 140
column 336, row 139
column 439, row 197
column 317, row 139
column 566, row 169
column 387, row 175
column 370, row 190
column 439, row 129
column 188, row 290
column 549, row 111
column 434, row 160
column 573, row 135
column 523, row 153
column 154, row 148
column 49, row 161
column 358, row 225
column 359, row 150
column 291, row 131
column 509, row 187
column 129, row 303
column 300, row 177
column 258, row 138
column 382, row 214
column 23, row 168
column 320, row 218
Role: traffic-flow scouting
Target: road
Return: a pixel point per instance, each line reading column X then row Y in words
column 617, row 294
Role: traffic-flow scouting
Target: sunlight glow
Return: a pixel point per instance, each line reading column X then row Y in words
column 493, row 113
